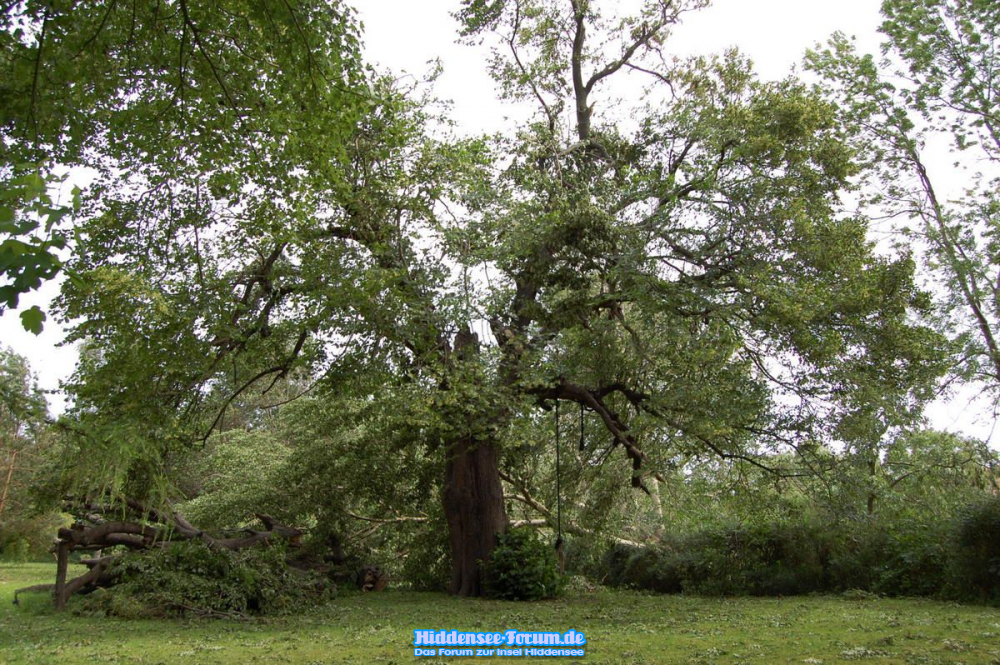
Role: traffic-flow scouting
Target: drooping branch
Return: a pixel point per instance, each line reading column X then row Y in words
column 594, row 400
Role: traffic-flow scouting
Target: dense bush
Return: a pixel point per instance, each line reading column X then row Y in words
column 776, row 560
column 190, row 578
column 897, row 558
column 976, row 561
column 522, row 567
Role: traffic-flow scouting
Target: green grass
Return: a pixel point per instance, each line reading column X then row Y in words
column 621, row 627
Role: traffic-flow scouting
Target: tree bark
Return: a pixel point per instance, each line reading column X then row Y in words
column 474, row 507
column 61, row 566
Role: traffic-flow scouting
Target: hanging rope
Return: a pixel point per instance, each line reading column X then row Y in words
column 583, row 441
column 558, row 486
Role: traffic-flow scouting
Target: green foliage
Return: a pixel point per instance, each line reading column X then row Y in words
column 22, row 405
column 144, row 91
column 240, row 474
column 189, row 578
column 29, row 520
column 948, row 556
column 30, row 228
column 350, row 468
column 522, row 567
column 977, row 551
column 28, row 537
column 767, row 560
column 945, row 91
column 427, row 566
column 742, row 530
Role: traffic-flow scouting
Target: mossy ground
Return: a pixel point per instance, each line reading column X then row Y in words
column 621, row 627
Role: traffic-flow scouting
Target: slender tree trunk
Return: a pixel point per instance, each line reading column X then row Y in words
column 872, row 470
column 474, row 507
column 6, row 485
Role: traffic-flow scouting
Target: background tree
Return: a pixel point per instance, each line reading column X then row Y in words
column 22, row 418
column 26, row 442
column 936, row 87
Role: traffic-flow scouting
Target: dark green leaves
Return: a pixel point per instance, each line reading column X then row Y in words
column 30, row 238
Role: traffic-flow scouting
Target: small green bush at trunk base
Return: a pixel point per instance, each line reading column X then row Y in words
column 522, row 567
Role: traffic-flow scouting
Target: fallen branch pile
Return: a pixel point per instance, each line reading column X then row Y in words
column 136, row 527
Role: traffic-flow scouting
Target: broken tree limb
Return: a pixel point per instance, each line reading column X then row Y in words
column 521, row 495
column 153, row 528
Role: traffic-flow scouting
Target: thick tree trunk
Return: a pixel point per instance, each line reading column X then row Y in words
column 474, row 507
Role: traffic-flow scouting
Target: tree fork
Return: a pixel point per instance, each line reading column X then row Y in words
column 472, row 496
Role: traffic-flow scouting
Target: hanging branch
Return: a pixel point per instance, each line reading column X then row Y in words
column 594, row 400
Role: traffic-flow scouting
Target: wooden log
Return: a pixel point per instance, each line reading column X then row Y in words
column 62, row 563
column 96, row 534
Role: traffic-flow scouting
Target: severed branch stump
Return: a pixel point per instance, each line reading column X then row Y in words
column 150, row 529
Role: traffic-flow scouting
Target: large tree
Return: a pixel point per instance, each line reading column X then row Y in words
column 681, row 268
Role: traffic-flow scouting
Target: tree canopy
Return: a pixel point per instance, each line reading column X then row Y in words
column 682, row 267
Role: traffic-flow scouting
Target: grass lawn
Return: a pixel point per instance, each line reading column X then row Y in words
column 621, row 627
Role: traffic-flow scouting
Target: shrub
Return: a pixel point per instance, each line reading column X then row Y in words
column 614, row 563
column 781, row 559
column 975, row 569
column 15, row 550
column 859, row 552
column 916, row 559
column 427, row 567
column 190, row 578
column 522, row 567
column 654, row 568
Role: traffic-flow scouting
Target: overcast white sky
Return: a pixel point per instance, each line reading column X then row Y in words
column 404, row 35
